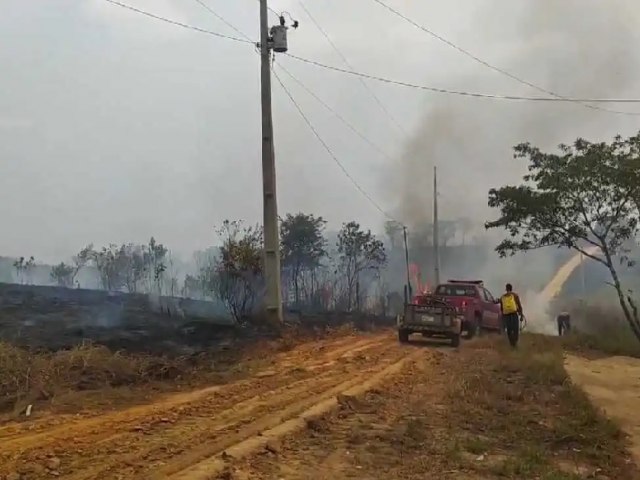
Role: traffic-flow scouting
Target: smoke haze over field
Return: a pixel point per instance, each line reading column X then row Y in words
column 115, row 127
column 574, row 48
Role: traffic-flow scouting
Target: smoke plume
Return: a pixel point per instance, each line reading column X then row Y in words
column 575, row 48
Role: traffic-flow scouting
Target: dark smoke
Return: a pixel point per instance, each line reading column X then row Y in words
column 574, row 47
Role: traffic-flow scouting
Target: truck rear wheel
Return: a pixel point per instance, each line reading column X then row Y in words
column 403, row 336
column 473, row 328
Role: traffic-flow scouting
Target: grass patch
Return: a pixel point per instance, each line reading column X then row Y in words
column 521, row 407
column 527, row 463
column 619, row 340
column 42, row 377
column 27, row 377
column 483, row 411
column 477, row 445
column 598, row 325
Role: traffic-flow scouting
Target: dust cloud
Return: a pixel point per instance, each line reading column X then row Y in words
column 575, row 48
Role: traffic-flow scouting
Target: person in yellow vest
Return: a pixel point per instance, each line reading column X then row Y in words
column 511, row 309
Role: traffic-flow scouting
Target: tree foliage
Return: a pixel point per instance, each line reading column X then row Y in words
column 303, row 246
column 237, row 281
column 128, row 266
column 359, row 251
column 110, row 265
column 585, row 197
column 24, row 268
column 63, row 274
column 80, row 260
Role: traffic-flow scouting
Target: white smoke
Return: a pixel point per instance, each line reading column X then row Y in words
column 536, row 310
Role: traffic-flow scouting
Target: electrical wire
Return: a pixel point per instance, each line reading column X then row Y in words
column 489, row 65
column 223, row 20
column 322, row 102
column 176, row 23
column 275, row 12
column 307, row 89
column 463, row 93
column 387, row 80
column 336, row 114
column 330, row 152
column 350, row 66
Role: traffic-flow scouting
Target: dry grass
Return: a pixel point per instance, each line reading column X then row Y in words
column 521, row 408
column 88, row 370
column 27, row 377
column 599, row 327
column 481, row 412
column 619, row 340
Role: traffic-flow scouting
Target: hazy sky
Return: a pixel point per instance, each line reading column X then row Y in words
column 115, row 127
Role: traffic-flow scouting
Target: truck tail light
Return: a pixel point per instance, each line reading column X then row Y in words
column 463, row 307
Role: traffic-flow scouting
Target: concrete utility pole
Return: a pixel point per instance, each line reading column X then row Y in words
column 273, row 298
column 406, row 259
column 436, row 250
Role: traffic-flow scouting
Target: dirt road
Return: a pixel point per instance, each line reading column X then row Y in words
column 360, row 407
column 184, row 436
column 481, row 412
column 613, row 384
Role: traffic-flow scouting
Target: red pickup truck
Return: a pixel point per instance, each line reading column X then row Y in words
column 470, row 297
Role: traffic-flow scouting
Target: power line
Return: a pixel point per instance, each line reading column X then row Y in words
column 330, row 152
column 310, row 92
column 304, row 87
column 223, row 20
column 464, row 93
column 387, row 80
column 348, row 64
column 275, row 12
column 336, row 114
column 489, row 65
column 176, row 23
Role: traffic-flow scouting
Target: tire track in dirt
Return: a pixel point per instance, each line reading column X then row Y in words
column 22, row 434
column 250, row 441
column 135, row 442
column 213, row 424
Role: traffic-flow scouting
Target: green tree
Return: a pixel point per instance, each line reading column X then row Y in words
column 80, row 260
column 24, row 268
column 303, row 246
column 585, row 197
column 18, row 265
column 110, row 265
column 237, row 281
column 132, row 263
column 63, row 274
column 359, row 251
column 155, row 262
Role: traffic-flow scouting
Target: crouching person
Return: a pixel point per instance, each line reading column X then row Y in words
column 564, row 323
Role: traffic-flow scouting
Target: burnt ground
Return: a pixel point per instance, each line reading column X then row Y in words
column 56, row 357
column 51, row 327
